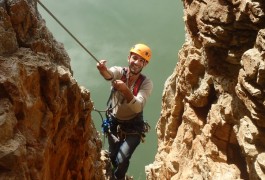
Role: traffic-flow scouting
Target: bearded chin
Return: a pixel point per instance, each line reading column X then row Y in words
column 135, row 73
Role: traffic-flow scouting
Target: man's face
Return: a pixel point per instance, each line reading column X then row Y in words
column 136, row 63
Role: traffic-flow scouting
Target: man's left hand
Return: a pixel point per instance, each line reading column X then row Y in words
column 119, row 85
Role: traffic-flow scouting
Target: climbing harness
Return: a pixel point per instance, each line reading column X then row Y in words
column 139, row 128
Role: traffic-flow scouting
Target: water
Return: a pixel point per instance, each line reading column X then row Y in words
column 108, row 28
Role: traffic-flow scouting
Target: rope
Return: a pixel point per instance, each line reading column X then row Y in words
column 49, row 12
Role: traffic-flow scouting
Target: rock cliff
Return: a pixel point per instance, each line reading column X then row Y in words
column 212, row 122
column 46, row 130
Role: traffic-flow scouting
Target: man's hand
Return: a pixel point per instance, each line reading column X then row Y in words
column 102, row 65
column 119, row 85
column 104, row 70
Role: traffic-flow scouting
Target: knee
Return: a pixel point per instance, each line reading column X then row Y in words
column 122, row 161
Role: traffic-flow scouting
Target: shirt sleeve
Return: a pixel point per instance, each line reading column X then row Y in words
column 116, row 71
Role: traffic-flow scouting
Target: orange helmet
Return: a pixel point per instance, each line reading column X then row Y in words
column 142, row 50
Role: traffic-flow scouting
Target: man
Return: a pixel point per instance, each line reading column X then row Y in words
column 131, row 90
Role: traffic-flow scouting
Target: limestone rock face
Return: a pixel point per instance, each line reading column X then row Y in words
column 46, row 131
column 213, row 109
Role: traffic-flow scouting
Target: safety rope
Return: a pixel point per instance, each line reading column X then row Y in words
column 51, row 14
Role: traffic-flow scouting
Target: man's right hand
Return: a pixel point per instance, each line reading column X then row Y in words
column 104, row 70
column 102, row 65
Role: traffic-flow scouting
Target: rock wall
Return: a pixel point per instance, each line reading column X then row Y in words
column 46, row 130
column 212, row 122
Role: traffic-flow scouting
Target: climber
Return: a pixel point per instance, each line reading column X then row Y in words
column 130, row 90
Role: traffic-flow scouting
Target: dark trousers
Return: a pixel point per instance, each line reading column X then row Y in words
column 122, row 150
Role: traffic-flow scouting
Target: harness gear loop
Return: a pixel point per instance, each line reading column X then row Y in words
column 123, row 134
column 132, row 127
column 106, row 127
